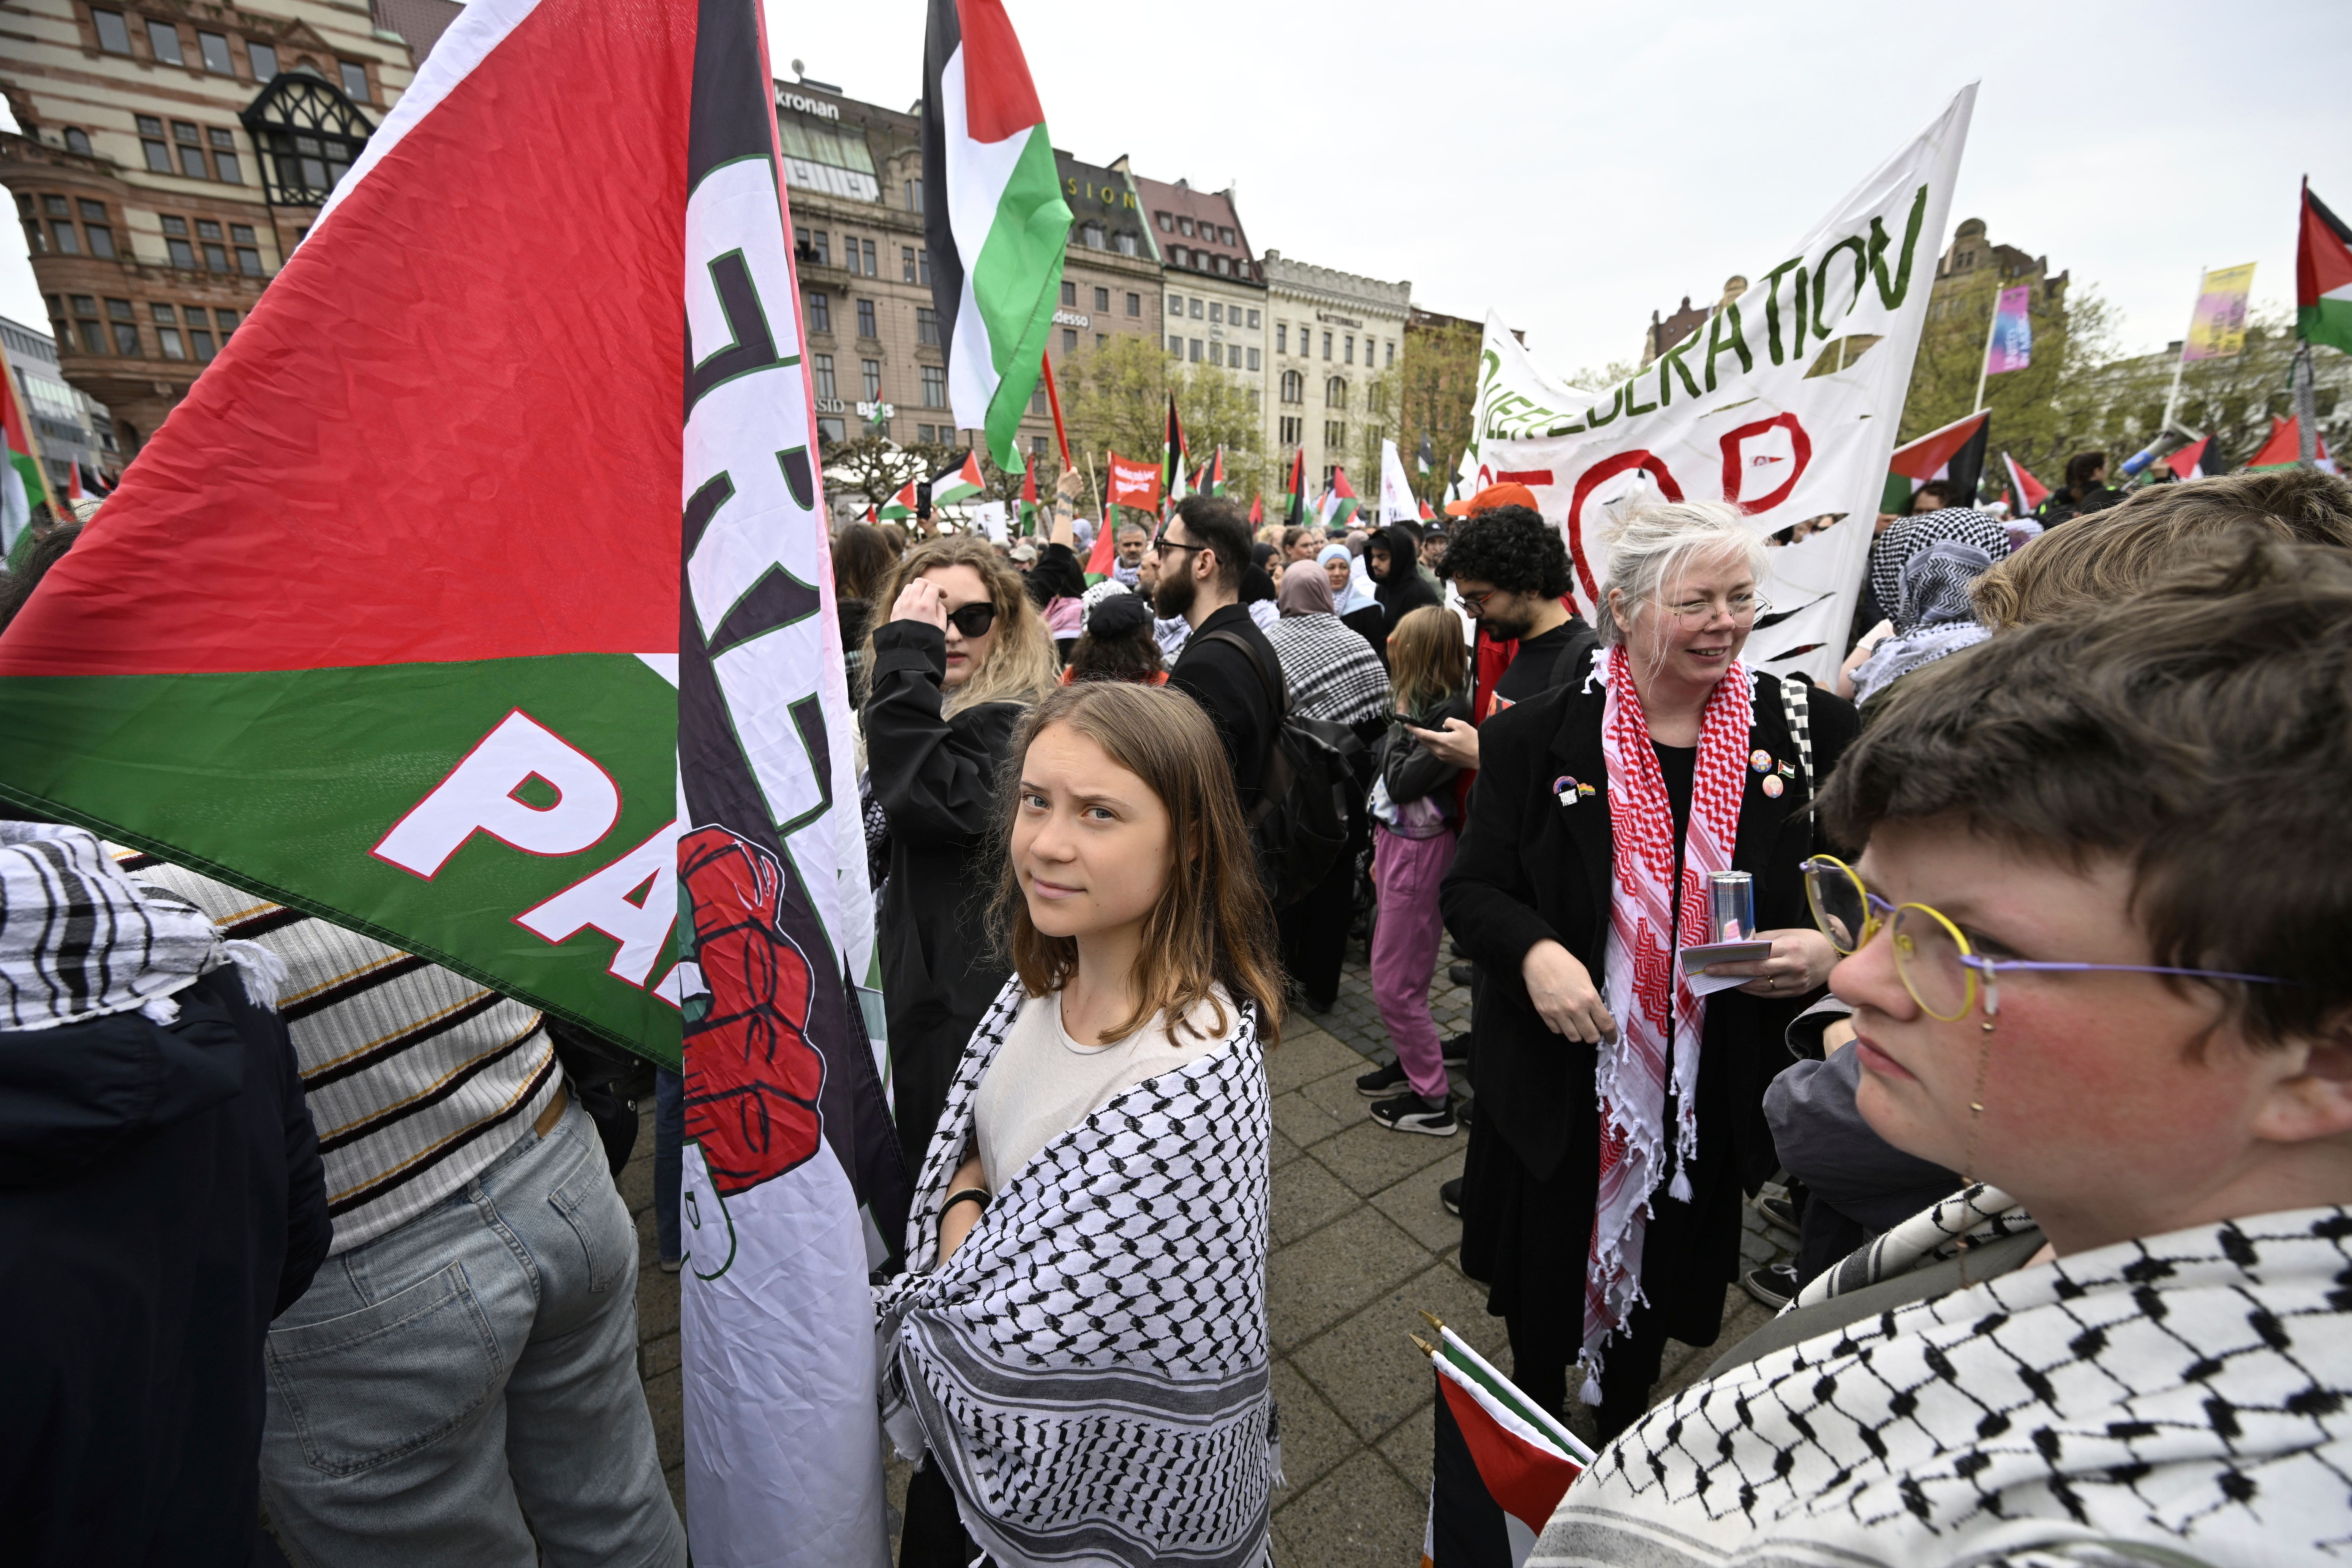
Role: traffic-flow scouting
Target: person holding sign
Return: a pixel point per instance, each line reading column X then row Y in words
column 1621, row 1105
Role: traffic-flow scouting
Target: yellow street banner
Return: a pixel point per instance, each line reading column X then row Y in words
column 2217, row 330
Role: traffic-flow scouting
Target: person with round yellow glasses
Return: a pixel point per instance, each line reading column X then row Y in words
column 2095, row 949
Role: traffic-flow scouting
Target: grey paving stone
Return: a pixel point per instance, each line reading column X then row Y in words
column 1282, row 1152
column 1336, row 1093
column 1314, row 1283
column 1302, row 1121
column 1314, row 1437
column 1372, row 1158
column 1367, row 1367
column 665, row 1399
column 1411, row 1443
column 657, row 1298
column 1360, row 1515
column 1307, row 1197
column 1306, row 1053
column 1413, row 1202
column 657, row 1355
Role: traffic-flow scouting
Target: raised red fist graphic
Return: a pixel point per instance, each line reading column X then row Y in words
column 752, row 1076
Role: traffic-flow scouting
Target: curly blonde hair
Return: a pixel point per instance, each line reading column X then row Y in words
column 1021, row 665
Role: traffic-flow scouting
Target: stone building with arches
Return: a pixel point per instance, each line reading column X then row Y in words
column 1336, row 339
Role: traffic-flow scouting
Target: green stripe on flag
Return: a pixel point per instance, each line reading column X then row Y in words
column 1016, row 282
column 2329, row 321
column 35, row 493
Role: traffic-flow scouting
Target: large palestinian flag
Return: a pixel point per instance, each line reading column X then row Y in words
column 1954, row 454
column 512, row 640
column 2322, row 277
column 993, row 215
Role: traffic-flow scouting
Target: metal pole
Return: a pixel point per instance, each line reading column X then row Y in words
column 1984, row 360
column 2307, row 416
column 2172, row 398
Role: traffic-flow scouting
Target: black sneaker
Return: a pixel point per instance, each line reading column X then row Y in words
column 1775, row 1284
column 1410, row 1113
column 1382, row 1082
column 1457, row 1050
column 1458, row 973
column 1450, row 1196
column 1780, row 1214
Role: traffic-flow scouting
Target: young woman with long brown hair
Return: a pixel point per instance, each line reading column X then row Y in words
column 950, row 673
column 1080, row 1344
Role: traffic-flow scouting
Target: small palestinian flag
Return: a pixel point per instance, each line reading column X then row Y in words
column 1955, row 454
column 2188, row 462
column 993, row 215
column 958, row 483
column 1427, row 515
column 1029, row 509
column 1213, row 477
column 899, row 505
column 2025, row 492
column 21, row 489
column 1339, row 502
column 1295, row 516
column 1500, row 1463
column 2285, row 448
column 1427, row 454
column 1257, row 509
column 2322, row 277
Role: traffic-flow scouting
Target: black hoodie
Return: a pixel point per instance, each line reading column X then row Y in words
column 1402, row 588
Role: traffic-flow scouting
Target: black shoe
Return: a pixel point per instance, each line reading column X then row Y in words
column 1456, row 1050
column 1780, row 1214
column 1381, row 1082
column 1410, row 1113
column 1775, row 1284
column 1450, row 1195
column 1458, row 973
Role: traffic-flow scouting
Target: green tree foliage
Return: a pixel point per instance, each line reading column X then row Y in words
column 1437, row 387
column 1115, row 399
column 2041, row 415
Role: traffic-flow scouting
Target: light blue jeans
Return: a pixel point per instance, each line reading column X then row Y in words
column 463, row 1390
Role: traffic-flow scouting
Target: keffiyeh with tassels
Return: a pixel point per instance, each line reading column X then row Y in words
column 1091, row 1368
column 1660, row 1018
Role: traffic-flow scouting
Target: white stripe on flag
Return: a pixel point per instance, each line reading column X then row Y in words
column 977, row 173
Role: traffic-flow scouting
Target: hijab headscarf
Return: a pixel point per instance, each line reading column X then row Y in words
column 1306, row 593
column 1908, row 536
column 1933, row 617
column 1360, row 587
column 1402, row 589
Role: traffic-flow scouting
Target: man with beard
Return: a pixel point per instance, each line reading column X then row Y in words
column 1227, row 666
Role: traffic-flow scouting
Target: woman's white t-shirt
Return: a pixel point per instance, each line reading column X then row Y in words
column 1043, row 1082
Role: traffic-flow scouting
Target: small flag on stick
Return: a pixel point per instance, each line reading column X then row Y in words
column 1501, row 1464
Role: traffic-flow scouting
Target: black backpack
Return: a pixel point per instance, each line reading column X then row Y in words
column 1313, row 769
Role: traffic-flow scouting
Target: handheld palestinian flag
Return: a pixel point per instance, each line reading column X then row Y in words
column 598, row 757
column 1428, row 453
column 993, row 216
column 21, row 489
column 1172, row 452
column 1500, row 1464
column 1339, row 502
column 2188, row 462
column 958, row 483
column 899, row 505
column 1213, row 477
column 1294, row 515
column 1428, row 513
column 2025, row 492
column 1954, row 454
column 1257, row 509
column 2284, row 447
column 1105, row 553
column 2322, row 277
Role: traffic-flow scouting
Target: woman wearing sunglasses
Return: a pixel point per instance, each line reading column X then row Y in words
column 1618, row 1103
column 2095, row 949
column 963, row 657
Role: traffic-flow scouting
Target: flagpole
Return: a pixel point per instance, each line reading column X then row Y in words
column 1054, row 401
column 2172, row 398
column 1984, row 360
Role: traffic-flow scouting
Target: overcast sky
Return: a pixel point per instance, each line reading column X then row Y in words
column 1579, row 166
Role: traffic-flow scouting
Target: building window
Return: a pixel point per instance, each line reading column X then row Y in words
column 112, row 35
column 1253, row 320
column 151, row 140
column 820, row 248
column 1176, row 254
column 1127, row 244
column 822, row 366
column 1102, row 339
column 872, row 371
column 1335, row 435
column 1216, row 312
column 102, row 234
column 1184, row 227
column 1195, row 354
column 1327, row 345
column 820, row 311
column 1293, row 429
column 227, row 320
column 225, row 155
column 1175, row 304
column 215, row 254
column 1102, row 301
column 1037, row 446
column 1166, row 224
column 1391, row 364
column 192, row 150
column 1094, row 235
column 1176, row 346
column 1135, row 305
column 1069, row 340
column 1282, row 338
column 866, row 320
column 1037, row 398
column 1224, row 267
column 356, row 85
column 77, row 141
column 200, row 341
column 914, row 195
column 164, row 42
column 175, row 243
column 927, row 325
column 922, row 266
column 65, row 244
column 871, row 270
column 214, row 47
column 1216, row 353
column 926, row 434
column 830, row 431
column 167, row 330
column 309, row 136
column 1195, row 307
column 1294, row 387
column 1225, row 233
column 125, row 322
column 1334, row 394
column 935, row 386
column 248, row 258
column 1201, row 260
column 264, row 58
column 906, row 264
column 1069, row 294
column 1252, row 359
column 1351, row 350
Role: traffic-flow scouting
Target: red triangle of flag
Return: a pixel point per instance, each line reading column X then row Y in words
column 1924, row 458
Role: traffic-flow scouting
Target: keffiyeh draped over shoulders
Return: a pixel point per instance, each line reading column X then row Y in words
column 1091, row 1369
column 2178, row 1399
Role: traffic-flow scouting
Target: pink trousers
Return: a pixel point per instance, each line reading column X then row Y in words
column 1406, row 872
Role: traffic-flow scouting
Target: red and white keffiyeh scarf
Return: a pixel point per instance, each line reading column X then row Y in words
column 1642, row 982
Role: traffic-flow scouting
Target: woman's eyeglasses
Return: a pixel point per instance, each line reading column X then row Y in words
column 974, row 619
column 1743, row 608
column 1932, row 957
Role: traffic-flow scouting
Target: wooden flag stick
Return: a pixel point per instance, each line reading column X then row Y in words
column 1054, row 401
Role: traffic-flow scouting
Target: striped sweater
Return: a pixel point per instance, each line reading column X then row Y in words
column 417, row 1078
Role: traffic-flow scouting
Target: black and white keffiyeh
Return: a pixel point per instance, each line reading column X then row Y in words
column 2180, row 1399
column 1935, row 619
column 1091, row 1368
column 79, row 940
column 1331, row 670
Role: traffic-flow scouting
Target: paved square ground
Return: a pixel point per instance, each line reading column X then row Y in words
column 1362, row 1247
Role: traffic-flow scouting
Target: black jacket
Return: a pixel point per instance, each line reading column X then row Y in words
column 1529, row 868
column 1232, row 690
column 935, row 779
column 1401, row 589
column 161, row 1200
column 1412, row 771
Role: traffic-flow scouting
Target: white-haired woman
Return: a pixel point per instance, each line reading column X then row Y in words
column 1621, row 1110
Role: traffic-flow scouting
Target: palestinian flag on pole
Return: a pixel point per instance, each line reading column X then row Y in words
column 1213, row 477
column 2322, row 277
column 2284, row 447
column 1294, row 515
column 1257, row 509
column 899, row 505
column 1500, row 1465
column 958, row 483
column 2188, row 462
column 993, row 216
column 1172, row 452
column 1339, row 502
column 1029, row 509
column 599, row 758
column 21, row 487
column 2025, row 492
column 1954, row 454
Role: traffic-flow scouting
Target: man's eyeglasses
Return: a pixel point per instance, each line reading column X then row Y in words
column 1932, row 958
column 1162, row 542
column 973, row 619
column 1477, row 603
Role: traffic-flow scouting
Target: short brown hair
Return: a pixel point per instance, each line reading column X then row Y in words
column 2202, row 733
column 1219, row 526
column 1213, row 925
column 2093, row 561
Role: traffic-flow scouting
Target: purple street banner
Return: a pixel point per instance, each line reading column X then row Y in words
column 2012, row 332
column 2218, row 330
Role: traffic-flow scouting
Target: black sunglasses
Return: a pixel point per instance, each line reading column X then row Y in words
column 974, row 619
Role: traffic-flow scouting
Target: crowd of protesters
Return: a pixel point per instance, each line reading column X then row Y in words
column 2068, row 1154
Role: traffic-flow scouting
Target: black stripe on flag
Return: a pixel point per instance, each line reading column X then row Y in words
column 1465, row 1522
column 942, row 37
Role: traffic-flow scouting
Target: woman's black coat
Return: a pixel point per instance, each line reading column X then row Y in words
column 935, row 779
column 1529, row 867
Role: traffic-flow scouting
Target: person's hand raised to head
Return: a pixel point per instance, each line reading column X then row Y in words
column 921, row 600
